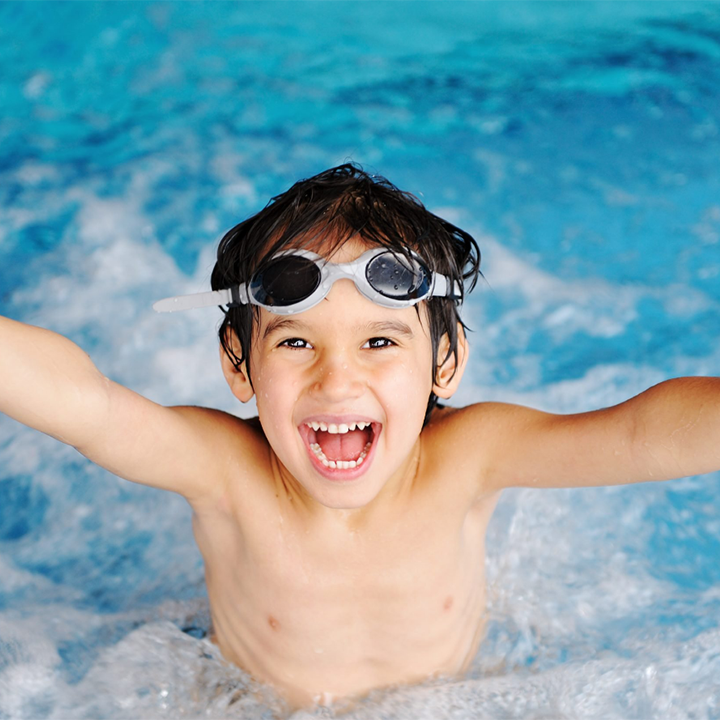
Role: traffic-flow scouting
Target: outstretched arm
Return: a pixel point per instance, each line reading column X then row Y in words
column 671, row 430
column 50, row 384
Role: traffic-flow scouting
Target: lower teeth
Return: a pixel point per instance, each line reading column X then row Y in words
column 339, row 464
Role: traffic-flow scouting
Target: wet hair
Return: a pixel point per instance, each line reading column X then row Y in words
column 324, row 212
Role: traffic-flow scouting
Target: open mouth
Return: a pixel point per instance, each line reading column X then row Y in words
column 340, row 445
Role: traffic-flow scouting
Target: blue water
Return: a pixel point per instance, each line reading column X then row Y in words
column 579, row 142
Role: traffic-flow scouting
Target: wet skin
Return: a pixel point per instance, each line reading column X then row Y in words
column 329, row 582
column 332, row 604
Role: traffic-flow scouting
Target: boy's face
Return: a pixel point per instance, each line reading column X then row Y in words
column 343, row 362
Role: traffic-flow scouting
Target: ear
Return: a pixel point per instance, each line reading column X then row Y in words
column 237, row 377
column 449, row 374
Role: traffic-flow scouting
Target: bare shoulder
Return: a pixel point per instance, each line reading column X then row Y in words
column 233, row 447
column 480, row 442
column 220, row 428
column 464, row 441
column 188, row 450
column 475, row 426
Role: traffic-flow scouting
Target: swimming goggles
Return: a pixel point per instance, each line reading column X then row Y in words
column 296, row 280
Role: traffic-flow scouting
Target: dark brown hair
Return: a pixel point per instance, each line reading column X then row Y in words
column 328, row 209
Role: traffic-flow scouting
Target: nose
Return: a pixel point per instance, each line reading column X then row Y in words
column 338, row 380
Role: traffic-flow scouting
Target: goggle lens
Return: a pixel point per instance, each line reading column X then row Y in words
column 285, row 281
column 396, row 277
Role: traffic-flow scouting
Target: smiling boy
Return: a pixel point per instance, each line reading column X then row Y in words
column 343, row 529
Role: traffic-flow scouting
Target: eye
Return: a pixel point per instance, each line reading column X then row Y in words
column 377, row 343
column 295, row 344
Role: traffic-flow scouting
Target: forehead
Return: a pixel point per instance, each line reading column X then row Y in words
column 406, row 326
column 346, row 251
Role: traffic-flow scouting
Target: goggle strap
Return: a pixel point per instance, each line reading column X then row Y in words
column 440, row 288
column 198, row 300
column 239, row 295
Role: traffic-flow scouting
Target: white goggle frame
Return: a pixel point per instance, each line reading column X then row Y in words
column 329, row 274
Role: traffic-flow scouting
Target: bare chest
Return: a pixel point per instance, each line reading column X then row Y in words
column 342, row 611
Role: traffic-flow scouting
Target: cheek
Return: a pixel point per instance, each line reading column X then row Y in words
column 409, row 386
column 275, row 393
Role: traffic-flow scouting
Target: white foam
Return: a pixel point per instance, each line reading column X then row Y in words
column 536, row 301
column 657, row 683
column 116, row 277
column 15, row 579
column 157, row 671
column 27, row 690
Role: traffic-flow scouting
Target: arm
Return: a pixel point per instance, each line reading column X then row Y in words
column 671, row 430
column 48, row 383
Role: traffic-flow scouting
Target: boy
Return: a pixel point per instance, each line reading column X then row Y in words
column 343, row 529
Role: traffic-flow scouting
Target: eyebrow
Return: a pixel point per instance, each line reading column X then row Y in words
column 284, row 323
column 383, row 327
column 390, row 327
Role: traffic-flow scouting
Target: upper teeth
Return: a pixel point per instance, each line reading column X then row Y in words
column 339, row 429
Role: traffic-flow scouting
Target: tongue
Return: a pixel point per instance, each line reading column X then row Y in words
column 347, row 446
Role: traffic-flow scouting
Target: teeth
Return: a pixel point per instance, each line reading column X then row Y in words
column 339, row 429
column 339, row 464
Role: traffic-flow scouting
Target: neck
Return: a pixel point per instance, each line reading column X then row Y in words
column 391, row 496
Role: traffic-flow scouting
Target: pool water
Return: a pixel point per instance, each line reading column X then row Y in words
column 579, row 142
